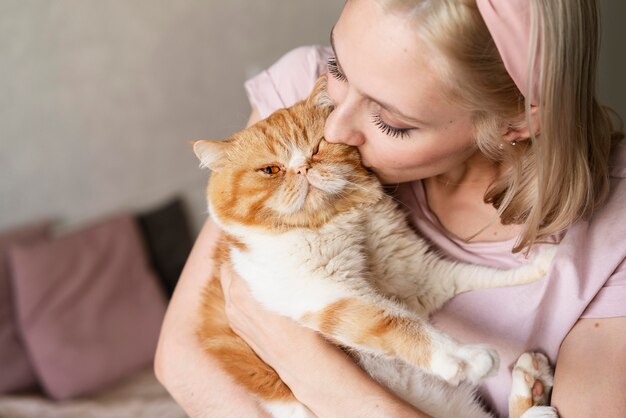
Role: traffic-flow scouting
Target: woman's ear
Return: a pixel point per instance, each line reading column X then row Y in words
column 524, row 129
column 211, row 153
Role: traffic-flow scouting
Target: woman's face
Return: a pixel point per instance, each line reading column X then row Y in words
column 388, row 99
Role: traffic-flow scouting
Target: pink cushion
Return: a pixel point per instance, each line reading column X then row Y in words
column 88, row 305
column 16, row 373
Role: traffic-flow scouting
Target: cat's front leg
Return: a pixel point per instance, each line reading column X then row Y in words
column 393, row 331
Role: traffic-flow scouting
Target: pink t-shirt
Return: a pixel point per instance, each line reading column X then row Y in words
column 587, row 278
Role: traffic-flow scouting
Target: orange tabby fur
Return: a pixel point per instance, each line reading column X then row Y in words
column 372, row 327
column 235, row 356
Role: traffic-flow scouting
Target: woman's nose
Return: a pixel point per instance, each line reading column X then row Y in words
column 341, row 126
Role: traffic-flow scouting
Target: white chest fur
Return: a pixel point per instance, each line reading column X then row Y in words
column 302, row 270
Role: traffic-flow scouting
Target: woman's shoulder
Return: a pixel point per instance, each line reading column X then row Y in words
column 610, row 214
column 288, row 80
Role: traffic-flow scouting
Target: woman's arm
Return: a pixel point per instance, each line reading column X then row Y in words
column 319, row 374
column 590, row 378
column 192, row 378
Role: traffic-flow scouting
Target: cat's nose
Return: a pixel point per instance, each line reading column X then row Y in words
column 302, row 169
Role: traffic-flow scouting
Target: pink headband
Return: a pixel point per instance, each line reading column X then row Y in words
column 508, row 22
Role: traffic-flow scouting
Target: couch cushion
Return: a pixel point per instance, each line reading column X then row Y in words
column 88, row 305
column 17, row 373
column 168, row 240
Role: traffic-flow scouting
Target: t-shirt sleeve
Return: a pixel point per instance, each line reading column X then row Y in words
column 610, row 301
column 287, row 81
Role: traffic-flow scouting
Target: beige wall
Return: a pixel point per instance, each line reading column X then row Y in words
column 98, row 98
column 612, row 77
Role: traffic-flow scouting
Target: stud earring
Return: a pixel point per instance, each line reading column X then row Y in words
column 514, row 142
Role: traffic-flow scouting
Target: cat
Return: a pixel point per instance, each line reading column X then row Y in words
column 316, row 238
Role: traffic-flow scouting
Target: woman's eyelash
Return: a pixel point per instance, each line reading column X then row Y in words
column 333, row 69
column 387, row 129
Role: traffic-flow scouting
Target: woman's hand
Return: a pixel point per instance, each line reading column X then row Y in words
column 319, row 374
column 278, row 340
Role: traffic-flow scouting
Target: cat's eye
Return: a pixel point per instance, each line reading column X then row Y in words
column 271, row 169
column 316, row 149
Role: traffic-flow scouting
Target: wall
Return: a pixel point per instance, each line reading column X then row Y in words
column 612, row 81
column 99, row 98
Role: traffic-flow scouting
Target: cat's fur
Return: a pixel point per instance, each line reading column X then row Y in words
column 320, row 242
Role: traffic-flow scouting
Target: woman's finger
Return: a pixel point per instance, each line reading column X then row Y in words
column 226, row 279
column 226, row 276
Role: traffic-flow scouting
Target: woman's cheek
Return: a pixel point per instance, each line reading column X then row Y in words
column 378, row 153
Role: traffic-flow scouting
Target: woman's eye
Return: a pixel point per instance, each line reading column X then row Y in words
column 333, row 69
column 271, row 169
column 388, row 129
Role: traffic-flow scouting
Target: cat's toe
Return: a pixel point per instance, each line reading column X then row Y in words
column 470, row 363
column 532, row 378
column 449, row 368
column 541, row 412
column 480, row 362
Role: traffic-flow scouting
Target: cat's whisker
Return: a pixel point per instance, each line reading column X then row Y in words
column 358, row 186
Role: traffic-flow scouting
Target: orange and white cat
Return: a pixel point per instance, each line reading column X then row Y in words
column 315, row 237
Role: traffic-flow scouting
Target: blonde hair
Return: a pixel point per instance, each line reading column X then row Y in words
column 560, row 174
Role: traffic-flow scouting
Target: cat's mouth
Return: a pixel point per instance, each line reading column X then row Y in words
column 313, row 191
column 312, row 186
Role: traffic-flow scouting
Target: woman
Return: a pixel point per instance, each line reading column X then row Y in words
column 493, row 159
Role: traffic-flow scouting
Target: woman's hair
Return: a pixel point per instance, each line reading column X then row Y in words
column 560, row 174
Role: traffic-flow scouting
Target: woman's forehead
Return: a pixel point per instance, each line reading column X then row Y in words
column 384, row 59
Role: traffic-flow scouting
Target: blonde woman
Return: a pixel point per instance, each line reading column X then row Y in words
column 484, row 112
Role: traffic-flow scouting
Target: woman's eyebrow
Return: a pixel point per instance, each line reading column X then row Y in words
column 388, row 107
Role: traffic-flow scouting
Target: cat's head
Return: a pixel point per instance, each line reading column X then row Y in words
column 280, row 173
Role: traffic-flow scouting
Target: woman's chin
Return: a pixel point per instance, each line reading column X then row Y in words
column 386, row 177
column 380, row 173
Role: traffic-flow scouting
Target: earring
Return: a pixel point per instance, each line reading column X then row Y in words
column 514, row 142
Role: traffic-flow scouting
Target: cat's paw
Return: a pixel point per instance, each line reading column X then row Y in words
column 480, row 362
column 532, row 378
column 541, row 412
column 544, row 258
column 470, row 363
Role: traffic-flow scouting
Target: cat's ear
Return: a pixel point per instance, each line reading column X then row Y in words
column 210, row 153
column 319, row 96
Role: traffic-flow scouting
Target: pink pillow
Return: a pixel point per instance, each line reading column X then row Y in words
column 16, row 371
column 89, row 308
